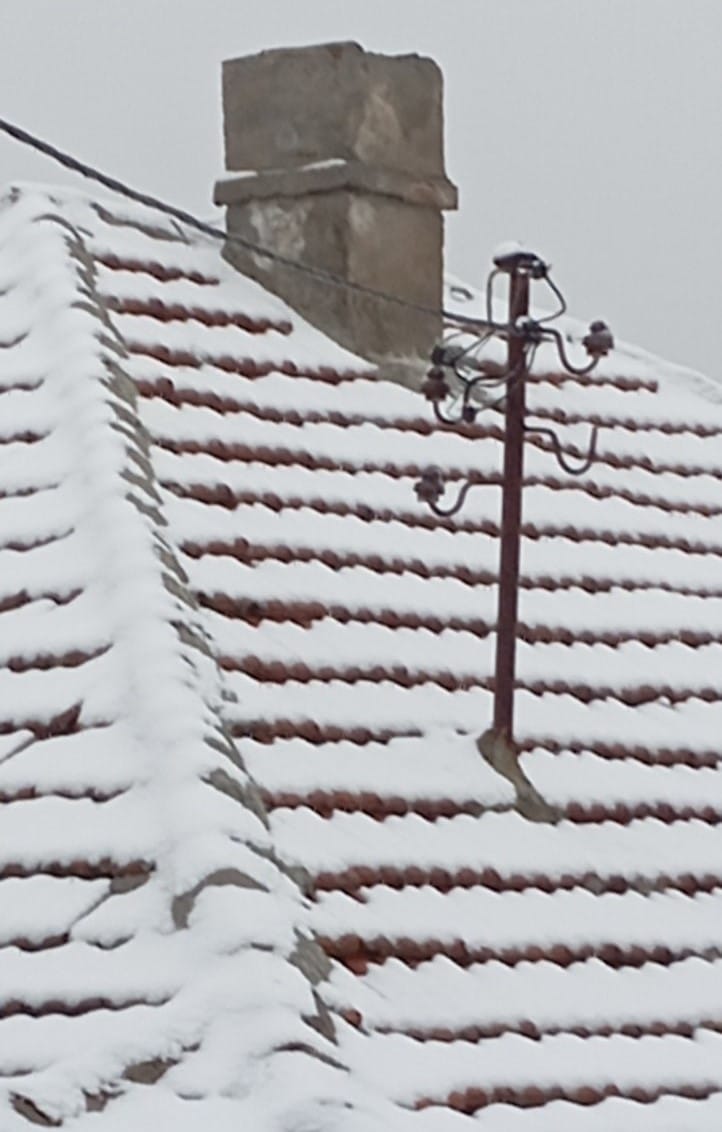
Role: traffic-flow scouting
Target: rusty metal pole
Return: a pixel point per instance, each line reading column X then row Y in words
column 511, row 511
column 497, row 744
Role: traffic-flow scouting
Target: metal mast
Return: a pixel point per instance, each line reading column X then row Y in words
column 522, row 335
column 511, row 509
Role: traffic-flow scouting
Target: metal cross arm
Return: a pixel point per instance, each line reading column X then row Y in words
column 561, row 458
column 430, row 488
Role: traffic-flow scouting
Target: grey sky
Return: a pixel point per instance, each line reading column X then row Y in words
column 588, row 128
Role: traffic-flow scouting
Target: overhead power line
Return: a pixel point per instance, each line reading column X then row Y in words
column 187, row 218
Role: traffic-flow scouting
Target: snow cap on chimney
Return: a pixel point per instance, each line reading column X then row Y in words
column 335, row 160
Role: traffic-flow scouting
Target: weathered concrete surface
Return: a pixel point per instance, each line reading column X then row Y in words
column 346, row 149
column 293, row 106
column 324, row 177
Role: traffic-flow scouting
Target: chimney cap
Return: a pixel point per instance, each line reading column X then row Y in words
column 289, row 107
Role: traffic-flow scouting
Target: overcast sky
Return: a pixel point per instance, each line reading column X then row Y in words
column 590, row 129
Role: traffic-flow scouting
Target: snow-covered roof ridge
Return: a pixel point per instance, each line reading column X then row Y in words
column 120, row 780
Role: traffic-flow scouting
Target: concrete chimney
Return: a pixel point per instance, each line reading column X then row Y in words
column 335, row 159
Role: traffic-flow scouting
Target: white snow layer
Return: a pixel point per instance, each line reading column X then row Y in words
column 207, row 937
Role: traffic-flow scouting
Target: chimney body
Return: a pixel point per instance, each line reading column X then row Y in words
column 338, row 162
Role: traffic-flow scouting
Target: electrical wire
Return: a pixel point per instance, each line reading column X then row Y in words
column 562, row 309
column 187, row 218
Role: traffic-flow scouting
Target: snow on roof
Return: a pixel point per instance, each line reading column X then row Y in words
column 243, row 675
column 147, row 929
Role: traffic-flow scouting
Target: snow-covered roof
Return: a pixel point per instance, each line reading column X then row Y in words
column 243, row 674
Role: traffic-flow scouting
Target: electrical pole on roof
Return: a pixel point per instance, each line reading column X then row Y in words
column 511, row 508
column 476, row 381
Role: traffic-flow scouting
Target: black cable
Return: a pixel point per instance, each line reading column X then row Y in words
column 92, row 174
column 559, row 297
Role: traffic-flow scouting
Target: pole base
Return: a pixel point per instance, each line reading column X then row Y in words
column 500, row 751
